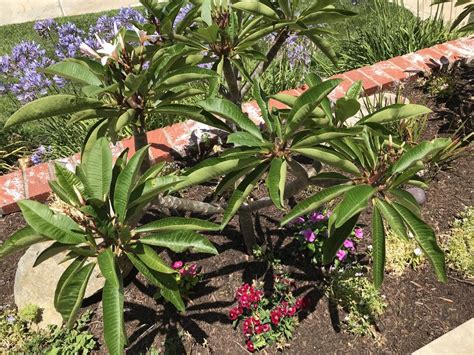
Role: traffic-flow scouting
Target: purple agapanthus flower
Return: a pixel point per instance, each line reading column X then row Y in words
column 182, row 14
column 341, row 254
column 309, row 235
column 70, row 38
column 45, row 27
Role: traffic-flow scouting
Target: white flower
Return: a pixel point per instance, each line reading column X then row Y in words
column 410, row 235
column 143, row 37
column 417, row 252
column 370, row 247
column 87, row 50
column 109, row 49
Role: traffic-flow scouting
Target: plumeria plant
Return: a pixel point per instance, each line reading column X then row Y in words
column 267, row 319
column 96, row 222
column 228, row 34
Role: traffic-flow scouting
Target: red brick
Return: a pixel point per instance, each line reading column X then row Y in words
column 405, row 65
column 36, row 179
column 130, row 144
column 377, row 75
column 448, row 53
column 418, row 61
column 252, row 110
column 178, row 135
column 11, row 191
column 277, row 104
column 370, row 86
column 159, row 146
column 345, row 84
column 392, row 71
column 463, row 47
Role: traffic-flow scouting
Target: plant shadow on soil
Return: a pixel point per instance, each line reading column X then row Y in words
column 419, row 310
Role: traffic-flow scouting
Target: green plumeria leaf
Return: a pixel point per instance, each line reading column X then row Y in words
column 98, row 169
column 246, row 139
column 20, row 240
column 74, row 71
column 177, row 224
column 394, row 113
column 355, row 201
column 180, row 241
column 257, row 8
column 151, row 259
column 315, row 201
column 276, row 181
column 426, row 238
column 337, row 238
column 54, row 226
column 393, row 218
column 378, row 243
column 328, row 157
column 419, row 152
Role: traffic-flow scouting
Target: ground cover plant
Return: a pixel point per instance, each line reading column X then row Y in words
column 98, row 217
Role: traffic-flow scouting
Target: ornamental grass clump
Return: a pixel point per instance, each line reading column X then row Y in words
column 267, row 319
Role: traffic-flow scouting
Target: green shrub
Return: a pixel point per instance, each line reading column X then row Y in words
column 459, row 244
column 402, row 253
column 18, row 334
column 350, row 290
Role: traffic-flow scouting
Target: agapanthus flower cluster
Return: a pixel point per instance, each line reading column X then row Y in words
column 182, row 14
column 70, row 38
column 20, row 72
column 297, row 50
column 312, row 231
column 266, row 320
column 45, row 28
column 39, row 155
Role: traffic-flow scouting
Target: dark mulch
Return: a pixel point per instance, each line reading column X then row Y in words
column 420, row 309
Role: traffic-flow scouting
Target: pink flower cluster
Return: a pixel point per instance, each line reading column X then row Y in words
column 190, row 270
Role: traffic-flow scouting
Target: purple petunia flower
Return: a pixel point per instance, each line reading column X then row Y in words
column 309, row 235
column 298, row 220
column 341, row 255
column 359, row 233
column 349, row 244
column 317, row 217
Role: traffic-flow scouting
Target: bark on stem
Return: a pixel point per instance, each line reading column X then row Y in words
column 232, row 82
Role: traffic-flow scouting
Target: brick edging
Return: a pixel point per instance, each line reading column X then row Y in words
column 32, row 182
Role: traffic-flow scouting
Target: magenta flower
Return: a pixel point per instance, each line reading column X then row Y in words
column 177, row 265
column 308, row 235
column 317, row 217
column 341, row 255
column 359, row 233
column 349, row 244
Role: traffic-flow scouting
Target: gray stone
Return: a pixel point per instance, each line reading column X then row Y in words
column 418, row 193
column 36, row 285
column 459, row 341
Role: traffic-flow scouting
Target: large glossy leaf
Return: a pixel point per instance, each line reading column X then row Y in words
column 177, row 224
column 395, row 112
column 326, row 134
column 257, row 8
column 97, row 131
column 185, row 76
column 355, row 201
column 180, row 241
column 69, row 273
column 327, row 179
column 426, row 238
column 21, row 239
column 393, row 218
column 126, row 183
column 276, row 181
column 378, row 243
column 150, row 258
column 307, row 102
column 328, row 157
column 167, row 283
column 324, row 46
column 242, row 191
column 54, row 226
column 229, row 111
column 70, row 299
column 74, row 71
column 49, row 252
column 406, row 199
column 114, row 327
column 337, row 238
column 246, row 139
column 212, row 168
column 315, row 201
column 148, row 190
column 420, row 152
column 98, row 169
column 50, row 106
column 109, row 267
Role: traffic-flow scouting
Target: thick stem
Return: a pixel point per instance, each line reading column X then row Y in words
column 263, row 66
column 141, row 139
column 232, row 82
column 247, row 227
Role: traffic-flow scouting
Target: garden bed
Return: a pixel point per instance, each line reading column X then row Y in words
column 419, row 308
